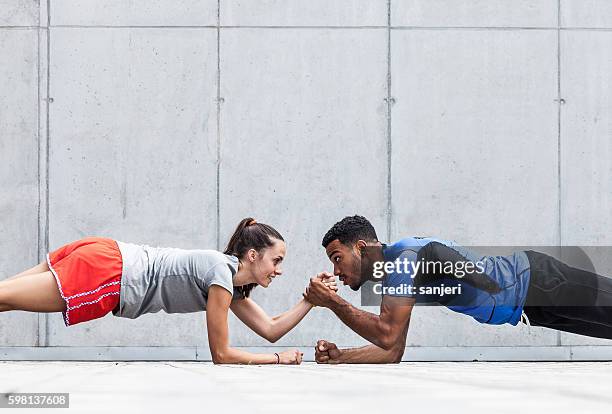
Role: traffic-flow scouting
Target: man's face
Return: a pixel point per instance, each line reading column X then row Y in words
column 347, row 263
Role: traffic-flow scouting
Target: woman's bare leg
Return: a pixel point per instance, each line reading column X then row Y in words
column 36, row 292
column 39, row 268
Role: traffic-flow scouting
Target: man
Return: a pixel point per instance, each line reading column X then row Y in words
column 526, row 286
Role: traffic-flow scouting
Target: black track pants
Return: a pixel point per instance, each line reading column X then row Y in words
column 568, row 299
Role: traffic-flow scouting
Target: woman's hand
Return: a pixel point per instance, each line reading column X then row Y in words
column 291, row 357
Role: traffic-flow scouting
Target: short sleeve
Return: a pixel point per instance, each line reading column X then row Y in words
column 400, row 282
column 220, row 275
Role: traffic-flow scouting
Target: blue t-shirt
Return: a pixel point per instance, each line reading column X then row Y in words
column 511, row 273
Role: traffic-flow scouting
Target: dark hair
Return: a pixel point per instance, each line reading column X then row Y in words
column 250, row 235
column 349, row 230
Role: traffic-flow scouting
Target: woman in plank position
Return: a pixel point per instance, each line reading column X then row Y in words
column 88, row 278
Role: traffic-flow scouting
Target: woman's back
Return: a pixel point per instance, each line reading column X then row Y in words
column 170, row 279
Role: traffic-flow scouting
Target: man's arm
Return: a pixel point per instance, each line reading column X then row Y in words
column 369, row 354
column 327, row 353
column 384, row 330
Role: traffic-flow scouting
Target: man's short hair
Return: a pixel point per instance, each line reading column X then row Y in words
column 349, row 230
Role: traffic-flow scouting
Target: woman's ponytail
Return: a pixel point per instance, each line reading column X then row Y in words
column 234, row 241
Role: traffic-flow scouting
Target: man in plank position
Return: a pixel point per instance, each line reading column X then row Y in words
column 526, row 286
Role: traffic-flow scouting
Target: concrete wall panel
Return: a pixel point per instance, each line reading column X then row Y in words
column 18, row 172
column 470, row 136
column 133, row 154
column 19, row 13
column 134, row 12
column 304, row 13
column 586, row 13
column 304, row 145
column 586, row 149
column 468, row 139
column 474, row 13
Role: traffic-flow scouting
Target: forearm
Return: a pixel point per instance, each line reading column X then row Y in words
column 235, row 356
column 370, row 354
column 366, row 324
column 286, row 321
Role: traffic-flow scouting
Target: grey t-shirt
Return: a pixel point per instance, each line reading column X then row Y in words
column 169, row 279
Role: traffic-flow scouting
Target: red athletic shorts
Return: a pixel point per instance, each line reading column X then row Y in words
column 88, row 274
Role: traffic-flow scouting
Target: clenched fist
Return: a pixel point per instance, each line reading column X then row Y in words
column 327, row 352
column 290, row 357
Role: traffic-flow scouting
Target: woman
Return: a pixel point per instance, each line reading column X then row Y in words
column 91, row 277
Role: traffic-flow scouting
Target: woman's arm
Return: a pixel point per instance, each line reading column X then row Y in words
column 217, row 308
column 269, row 328
column 274, row 328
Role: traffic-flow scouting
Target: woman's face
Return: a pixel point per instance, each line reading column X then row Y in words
column 267, row 263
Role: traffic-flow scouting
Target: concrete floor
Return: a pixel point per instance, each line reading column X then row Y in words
column 457, row 387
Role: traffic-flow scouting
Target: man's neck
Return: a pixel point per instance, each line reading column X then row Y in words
column 376, row 250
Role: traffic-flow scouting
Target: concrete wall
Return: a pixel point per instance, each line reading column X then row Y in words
column 166, row 122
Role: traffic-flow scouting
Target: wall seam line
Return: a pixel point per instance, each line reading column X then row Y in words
column 47, row 146
column 218, row 142
column 84, row 26
column 484, row 28
column 389, row 101
column 19, row 27
column 40, row 318
column 63, row 26
column 559, row 103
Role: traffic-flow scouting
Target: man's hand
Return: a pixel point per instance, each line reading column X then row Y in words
column 326, row 352
column 328, row 280
column 320, row 291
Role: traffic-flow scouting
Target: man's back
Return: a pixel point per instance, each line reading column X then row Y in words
column 450, row 265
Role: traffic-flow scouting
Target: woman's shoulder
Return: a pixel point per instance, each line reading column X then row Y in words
column 211, row 256
column 208, row 262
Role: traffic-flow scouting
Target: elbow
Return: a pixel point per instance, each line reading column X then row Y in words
column 387, row 343
column 219, row 357
column 272, row 335
column 273, row 339
column 393, row 338
column 394, row 344
column 394, row 350
column 388, row 336
column 396, row 354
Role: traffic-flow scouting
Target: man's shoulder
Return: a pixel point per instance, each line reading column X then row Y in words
column 408, row 245
column 418, row 242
